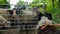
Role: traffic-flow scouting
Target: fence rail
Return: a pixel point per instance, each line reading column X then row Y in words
column 17, row 27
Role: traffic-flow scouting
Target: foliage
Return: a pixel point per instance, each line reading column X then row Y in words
column 21, row 3
column 52, row 7
column 36, row 3
column 4, row 2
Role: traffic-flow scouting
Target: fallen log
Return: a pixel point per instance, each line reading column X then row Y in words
column 46, row 24
column 48, row 30
column 54, row 24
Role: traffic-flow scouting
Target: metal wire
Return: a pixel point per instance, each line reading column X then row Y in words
column 20, row 26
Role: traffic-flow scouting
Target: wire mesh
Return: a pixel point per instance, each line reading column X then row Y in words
column 16, row 24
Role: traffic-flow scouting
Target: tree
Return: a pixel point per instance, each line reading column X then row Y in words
column 59, row 3
column 21, row 4
column 36, row 3
column 4, row 4
column 51, row 4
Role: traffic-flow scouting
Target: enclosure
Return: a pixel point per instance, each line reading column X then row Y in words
column 22, row 23
column 20, row 17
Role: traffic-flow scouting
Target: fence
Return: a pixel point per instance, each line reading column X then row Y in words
column 11, row 23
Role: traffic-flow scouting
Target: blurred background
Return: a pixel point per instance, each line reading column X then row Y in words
column 51, row 6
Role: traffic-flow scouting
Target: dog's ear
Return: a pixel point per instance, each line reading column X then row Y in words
column 48, row 15
column 39, row 15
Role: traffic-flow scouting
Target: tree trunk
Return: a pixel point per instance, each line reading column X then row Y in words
column 59, row 3
column 53, row 3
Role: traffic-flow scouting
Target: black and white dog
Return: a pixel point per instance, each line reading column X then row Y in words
column 42, row 18
column 49, row 29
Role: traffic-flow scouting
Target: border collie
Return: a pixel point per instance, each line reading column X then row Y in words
column 43, row 18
